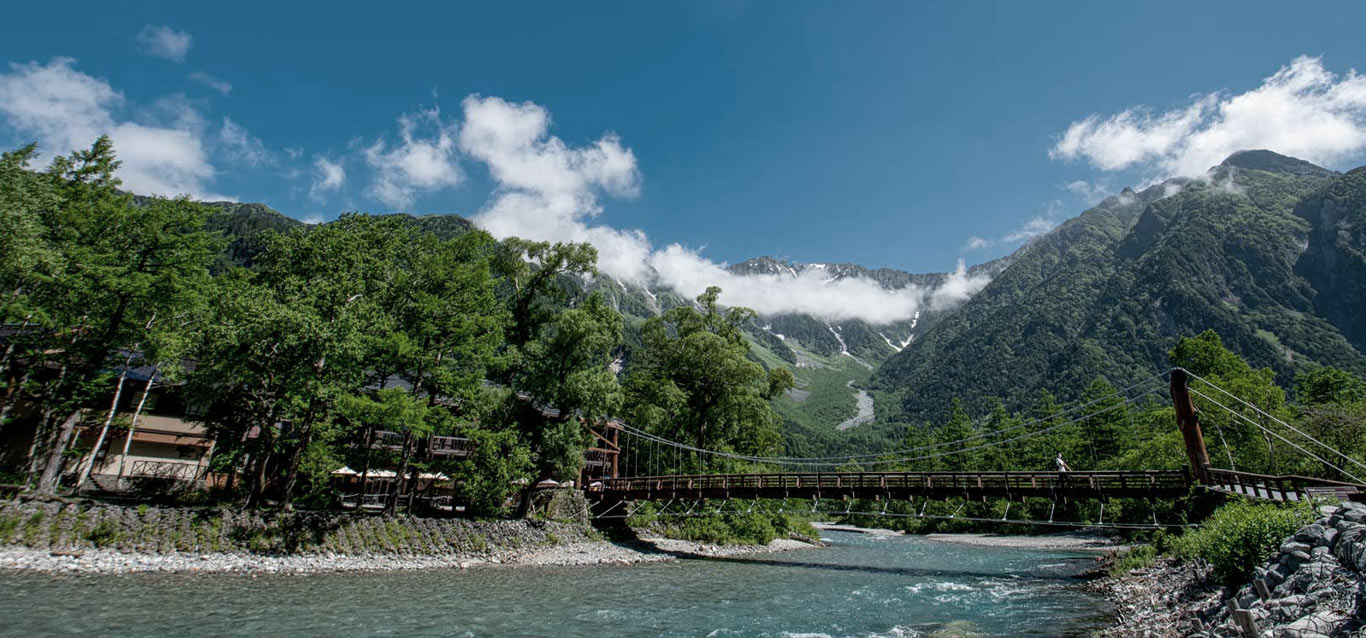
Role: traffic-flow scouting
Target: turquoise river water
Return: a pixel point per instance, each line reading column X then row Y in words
column 861, row 586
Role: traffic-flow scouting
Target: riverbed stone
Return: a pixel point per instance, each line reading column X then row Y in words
column 1316, row 625
column 1290, row 547
column 1355, row 515
column 1311, row 534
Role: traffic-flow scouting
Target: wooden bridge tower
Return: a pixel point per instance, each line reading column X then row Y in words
column 1188, row 421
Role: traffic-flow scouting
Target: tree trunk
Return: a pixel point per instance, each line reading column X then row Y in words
column 391, row 507
column 524, row 505
column 258, row 481
column 367, row 441
column 52, row 473
column 287, row 499
column 133, row 425
column 89, row 465
column 12, row 397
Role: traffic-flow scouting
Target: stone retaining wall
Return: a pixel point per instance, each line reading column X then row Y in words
column 168, row 530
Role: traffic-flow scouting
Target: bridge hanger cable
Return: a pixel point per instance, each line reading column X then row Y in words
column 633, row 431
column 1277, row 435
column 976, row 424
column 822, row 460
column 1273, row 418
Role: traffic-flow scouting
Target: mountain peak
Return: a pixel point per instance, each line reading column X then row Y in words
column 1272, row 162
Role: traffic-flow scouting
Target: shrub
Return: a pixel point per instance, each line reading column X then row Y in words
column 1136, row 558
column 1241, row 536
column 8, row 524
column 104, row 534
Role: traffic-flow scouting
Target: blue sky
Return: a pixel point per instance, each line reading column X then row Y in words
column 887, row 134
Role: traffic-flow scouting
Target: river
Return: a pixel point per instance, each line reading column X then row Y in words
column 862, row 586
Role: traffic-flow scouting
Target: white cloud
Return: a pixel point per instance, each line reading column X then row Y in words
column 1036, row 226
column 241, row 145
column 977, row 243
column 313, row 220
column 424, row 160
column 330, row 176
column 957, row 288
column 217, row 84
column 165, row 42
column 64, row 109
column 546, row 190
column 1303, row 110
column 549, row 191
column 1089, row 193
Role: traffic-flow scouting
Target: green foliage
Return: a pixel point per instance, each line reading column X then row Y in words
column 738, row 529
column 1138, row 557
column 8, row 525
column 1329, row 385
column 1241, row 536
column 486, row 480
column 694, row 380
column 105, row 534
column 1108, row 293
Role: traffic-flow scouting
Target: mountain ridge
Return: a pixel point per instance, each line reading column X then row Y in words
column 1108, row 292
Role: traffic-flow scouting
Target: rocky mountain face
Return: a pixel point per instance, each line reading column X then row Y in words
column 1335, row 262
column 1258, row 250
column 865, row 342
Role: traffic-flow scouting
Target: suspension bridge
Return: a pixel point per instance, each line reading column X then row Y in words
column 817, row 479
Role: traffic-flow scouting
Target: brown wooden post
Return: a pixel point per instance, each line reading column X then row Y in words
column 1188, row 421
column 616, row 443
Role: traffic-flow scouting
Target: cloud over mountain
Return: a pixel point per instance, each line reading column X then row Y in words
column 1303, row 110
column 549, row 191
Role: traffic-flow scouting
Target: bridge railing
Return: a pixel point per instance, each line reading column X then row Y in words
column 1285, row 487
column 922, row 481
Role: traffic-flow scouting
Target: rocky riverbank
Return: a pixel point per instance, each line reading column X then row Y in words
column 98, row 538
column 1082, row 541
column 581, row 553
column 1313, row 587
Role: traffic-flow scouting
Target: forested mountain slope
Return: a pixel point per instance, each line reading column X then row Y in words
column 1108, row 292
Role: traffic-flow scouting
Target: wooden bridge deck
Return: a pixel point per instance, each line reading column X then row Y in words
column 971, row 485
column 897, row 485
column 1285, row 489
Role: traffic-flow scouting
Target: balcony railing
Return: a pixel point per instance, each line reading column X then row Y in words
column 168, row 470
column 598, row 457
column 364, row 501
column 449, row 446
column 386, row 440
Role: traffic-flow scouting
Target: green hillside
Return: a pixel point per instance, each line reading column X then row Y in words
column 1109, row 292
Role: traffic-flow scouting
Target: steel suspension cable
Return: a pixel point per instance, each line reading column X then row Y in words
column 1273, row 418
column 1276, row 434
column 1081, row 406
column 632, row 431
column 814, row 460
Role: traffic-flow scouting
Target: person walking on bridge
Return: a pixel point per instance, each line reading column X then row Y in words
column 1062, row 465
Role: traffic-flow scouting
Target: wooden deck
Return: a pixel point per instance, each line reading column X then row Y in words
column 898, row 485
column 1283, row 489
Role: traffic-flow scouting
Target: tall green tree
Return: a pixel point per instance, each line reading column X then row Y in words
column 293, row 337
column 124, row 269
column 1244, row 430
column 568, row 367
column 695, row 369
column 26, row 259
column 445, row 325
column 1329, row 385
